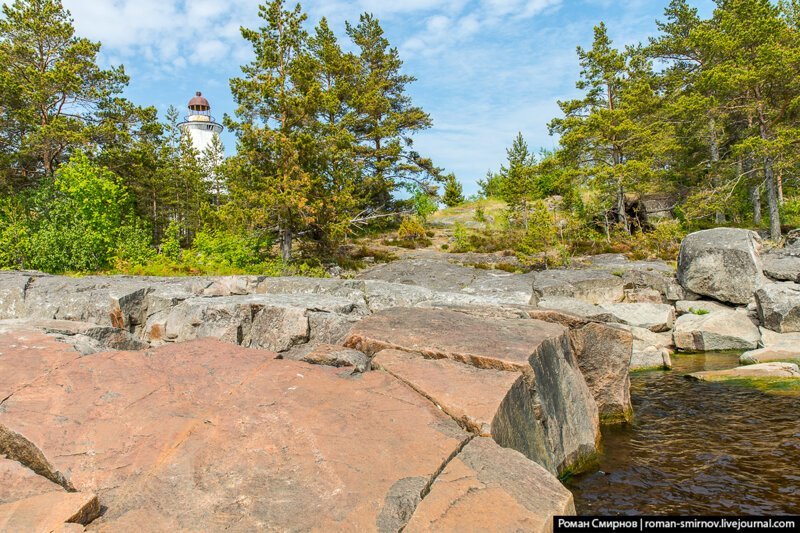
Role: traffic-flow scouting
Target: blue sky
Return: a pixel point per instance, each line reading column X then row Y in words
column 486, row 69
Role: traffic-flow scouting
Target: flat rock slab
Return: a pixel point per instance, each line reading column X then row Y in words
column 763, row 370
column 590, row 286
column 550, row 416
column 727, row 330
column 27, row 355
column 704, row 307
column 514, row 494
column 18, row 482
column 779, row 353
column 469, row 395
column 211, row 434
column 49, row 512
column 655, row 317
column 435, row 333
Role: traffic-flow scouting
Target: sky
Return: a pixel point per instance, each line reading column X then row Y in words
column 486, row 69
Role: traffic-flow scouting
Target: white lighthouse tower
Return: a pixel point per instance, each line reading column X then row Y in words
column 200, row 125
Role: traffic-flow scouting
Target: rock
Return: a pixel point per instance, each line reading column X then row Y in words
column 13, row 286
column 770, row 338
column 722, row 263
column 27, row 354
column 275, row 322
column 207, row 433
column 337, row 356
column 561, row 433
column 643, row 296
column 603, row 352
column 655, row 317
column 724, row 330
column 604, row 355
column 18, row 482
column 779, row 307
column 651, row 358
column 591, row 286
column 700, row 307
column 577, row 307
column 782, row 266
column 650, row 350
column 49, row 512
column 491, row 489
column 764, row 370
column 785, row 353
column 469, row 395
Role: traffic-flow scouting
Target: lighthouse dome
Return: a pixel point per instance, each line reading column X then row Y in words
column 199, row 103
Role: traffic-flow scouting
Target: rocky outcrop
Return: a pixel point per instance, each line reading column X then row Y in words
column 721, row 263
column 18, row 482
column 728, row 330
column 651, row 351
column 207, row 435
column 548, row 414
column 491, row 489
column 779, row 306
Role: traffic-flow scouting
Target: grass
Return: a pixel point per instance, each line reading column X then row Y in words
column 699, row 312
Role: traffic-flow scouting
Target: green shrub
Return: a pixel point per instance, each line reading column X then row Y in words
column 411, row 228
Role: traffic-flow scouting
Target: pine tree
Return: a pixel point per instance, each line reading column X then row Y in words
column 383, row 117
column 275, row 149
column 453, row 191
column 51, row 88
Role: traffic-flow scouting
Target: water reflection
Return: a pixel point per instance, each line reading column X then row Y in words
column 698, row 448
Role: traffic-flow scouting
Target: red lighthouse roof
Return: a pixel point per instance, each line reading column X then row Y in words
column 199, row 103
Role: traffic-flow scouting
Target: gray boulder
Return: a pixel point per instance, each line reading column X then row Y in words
column 728, row 330
column 703, row 307
column 782, row 266
column 722, row 263
column 779, row 307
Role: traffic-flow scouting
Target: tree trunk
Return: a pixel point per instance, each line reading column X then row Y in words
column 286, row 244
column 622, row 216
column 755, row 199
column 779, row 178
column 772, row 201
column 719, row 216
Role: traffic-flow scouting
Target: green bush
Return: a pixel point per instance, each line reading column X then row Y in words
column 79, row 219
column 15, row 234
column 411, row 228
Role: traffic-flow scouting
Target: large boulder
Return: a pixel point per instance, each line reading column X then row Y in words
column 779, row 306
column 722, row 263
column 551, row 417
column 728, row 330
column 603, row 352
column 511, row 494
column 782, row 353
column 651, row 351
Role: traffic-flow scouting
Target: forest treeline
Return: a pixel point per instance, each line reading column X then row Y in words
column 90, row 180
column 706, row 113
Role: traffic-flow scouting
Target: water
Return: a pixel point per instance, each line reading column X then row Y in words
column 698, row 448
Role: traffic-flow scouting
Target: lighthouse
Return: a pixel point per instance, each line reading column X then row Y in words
column 200, row 125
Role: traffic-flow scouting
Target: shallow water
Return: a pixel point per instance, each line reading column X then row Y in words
column 697, row 448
